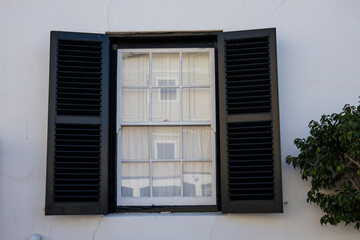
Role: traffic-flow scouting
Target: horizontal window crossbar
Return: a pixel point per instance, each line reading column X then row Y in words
column 135, row 124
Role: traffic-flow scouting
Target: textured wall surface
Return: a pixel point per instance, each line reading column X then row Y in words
column 318, row 65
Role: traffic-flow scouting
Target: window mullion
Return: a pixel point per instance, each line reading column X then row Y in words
column 181, row 128
column 150, row 119
column 181, row 162
column 119, row 156
column 150, row 164
column 181, row 96
column 150, row 88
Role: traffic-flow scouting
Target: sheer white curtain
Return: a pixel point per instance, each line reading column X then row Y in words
column 135, row 176
column 135, row 143
column 135, row 73
column 166, row 161
column 166, row 179
column 197, row 142
column 135, row 180
column 197, row 173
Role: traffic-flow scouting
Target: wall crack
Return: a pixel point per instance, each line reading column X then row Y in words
column 107, row 15
column 97, row 228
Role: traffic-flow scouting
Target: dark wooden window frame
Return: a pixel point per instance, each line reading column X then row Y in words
column 156, row 40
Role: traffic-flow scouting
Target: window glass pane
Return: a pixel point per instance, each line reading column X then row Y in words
column 165, row 150
column 196, row 68
column 165, row 69
column 165, row 104
column 135, row 69
column 168, row 93
column 166, row 179
column 196, row 104
column 166, row 143
column 135, row 105
column 135, row 180
column 197, row 179
column 135, row 143
column 197, row 142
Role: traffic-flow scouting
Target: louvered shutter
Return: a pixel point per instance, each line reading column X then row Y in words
column 77, row 158
column 250, row 162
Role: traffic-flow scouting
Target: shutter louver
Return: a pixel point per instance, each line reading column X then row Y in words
column 77, row 163
column 247, row 75
column 78, row 124
column 79, row 70
column 250, row 161
column 249, row 122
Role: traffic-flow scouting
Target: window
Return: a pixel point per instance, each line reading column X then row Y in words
column 166, row 127
column 182, row 121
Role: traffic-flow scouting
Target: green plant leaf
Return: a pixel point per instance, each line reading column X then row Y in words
column 330, row 159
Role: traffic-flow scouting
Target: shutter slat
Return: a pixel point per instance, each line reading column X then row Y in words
column 80, row 88
column 239, row 71
column 249, row 65
column 247, row 54
column 95, row 175
column 87, row 58
column 80, row 83
column 240, row 48
column 247, row 178
column 73, row 67
column 63, row 51
column 247, row 60
column 70, row 78
column 251, row 86
column 59, row 163
column 247, row 43
column 78, row 157
column 262, row 195
column 79, row 73
column 257, row 161
column 76, row 168
column 79, row 95
column 76, row 185
column 255, row 92
column 251, row 184
column 253, row 76
column 246, row 82
column 248, row 132
column 252, row 166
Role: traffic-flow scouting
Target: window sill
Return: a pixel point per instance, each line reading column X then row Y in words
column 167, row 209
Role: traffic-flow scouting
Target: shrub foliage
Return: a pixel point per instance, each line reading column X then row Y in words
column 330, row 159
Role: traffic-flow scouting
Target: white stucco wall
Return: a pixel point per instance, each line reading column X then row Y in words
column 319, row 69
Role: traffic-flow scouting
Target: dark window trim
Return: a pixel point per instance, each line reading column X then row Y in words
column 172, row 209
column 157, row 40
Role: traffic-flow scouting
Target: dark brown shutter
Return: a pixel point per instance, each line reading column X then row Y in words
column 77, row 158
column 250, row 161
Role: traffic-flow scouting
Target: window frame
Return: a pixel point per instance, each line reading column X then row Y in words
column 184, row 45
column 176, row 200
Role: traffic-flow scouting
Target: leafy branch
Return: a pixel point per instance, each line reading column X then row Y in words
column 330, row 159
